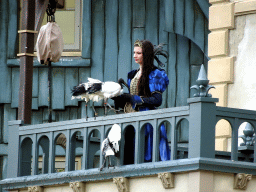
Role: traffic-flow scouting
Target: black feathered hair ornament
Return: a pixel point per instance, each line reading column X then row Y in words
column 158, row 50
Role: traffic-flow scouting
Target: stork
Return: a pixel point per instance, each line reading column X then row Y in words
column 110, row 146
column 95, row 90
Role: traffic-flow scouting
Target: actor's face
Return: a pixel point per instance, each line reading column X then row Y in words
column 137, row 55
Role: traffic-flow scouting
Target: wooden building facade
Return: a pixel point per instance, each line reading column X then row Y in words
column 108, row 30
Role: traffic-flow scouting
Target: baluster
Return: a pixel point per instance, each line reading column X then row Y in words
column 173, row 139
column 35, row 155
column 102, row 137
column 85, row 149
column 254, row 145
column 121, row 147
column 138, row 153
column 51, row 154
column 72, row 152
column 68, row 159
column 234, row 146
column 155, row 151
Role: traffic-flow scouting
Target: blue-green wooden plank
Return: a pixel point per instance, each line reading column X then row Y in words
column 204, row 5
column 163, row 38
column 4, row 169
column 1, row 122
column 15, row 87
column 97, row 39
column 71, row 80
column 189, row 19
column 206, row 64
column 179, row 16
column 172, row 62
column 194, row 71
column 138, row 33
column 37, row 116
column 196, row 54
column 5, row 73
column 35, row 83
column 12, row 29
column 152, row 21
column 206, row 33
column 125, row 48
column 46, row 115
column 183, row 70
column 58, row 88
column 73, row 113
column 34, row 103
column 169, row 15
column 199, row 27
column 139, row 10
column 62, row 115
column 84, row 73
column 111, row 41
column 43, row 91
column 86, row 30
column 9, row 115
column 63, row 62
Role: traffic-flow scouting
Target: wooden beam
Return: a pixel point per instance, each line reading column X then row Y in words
column 26, row 61
column 32, row 17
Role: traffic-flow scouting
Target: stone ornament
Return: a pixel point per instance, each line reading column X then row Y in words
column 122, row 184
column 35, row 189
column 77, row 186
column 241, row 180
column 167, row 179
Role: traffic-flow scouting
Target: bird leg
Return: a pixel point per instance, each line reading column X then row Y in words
column 95, row 113
column 86, row 116
column 105, row 106
column 111, row 108
column 109, row 161
column 103, row 164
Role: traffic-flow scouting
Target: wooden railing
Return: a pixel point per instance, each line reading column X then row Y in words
column 36, row 149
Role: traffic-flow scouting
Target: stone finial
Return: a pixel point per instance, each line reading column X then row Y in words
column 77, row 186
column 241, row 181
column 35, row 189
column 122, row 184
column 248, row 137
column 167, row 179
column 202, row 86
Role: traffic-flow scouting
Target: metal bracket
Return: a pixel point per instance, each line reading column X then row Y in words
column 27, row 31
column 26, row 54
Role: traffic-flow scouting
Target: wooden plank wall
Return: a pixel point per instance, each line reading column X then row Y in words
column 110, row 29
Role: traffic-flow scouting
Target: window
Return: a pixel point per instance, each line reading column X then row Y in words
column 69, row 20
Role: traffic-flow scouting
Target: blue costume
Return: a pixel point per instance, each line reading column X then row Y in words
column 158, row 82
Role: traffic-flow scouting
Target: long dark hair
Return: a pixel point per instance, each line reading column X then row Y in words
column 147, row 67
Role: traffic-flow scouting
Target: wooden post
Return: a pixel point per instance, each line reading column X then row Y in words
column 26, row 61
column 32, row 16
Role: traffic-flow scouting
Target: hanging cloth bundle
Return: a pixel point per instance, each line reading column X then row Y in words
column 49, row 41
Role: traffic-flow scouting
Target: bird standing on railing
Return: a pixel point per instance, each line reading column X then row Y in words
column 95, row 90
column 110, row 146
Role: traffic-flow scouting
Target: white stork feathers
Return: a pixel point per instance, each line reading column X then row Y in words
column 110, row 146
column 95, row 90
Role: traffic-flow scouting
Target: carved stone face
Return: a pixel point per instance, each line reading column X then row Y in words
column 137, row 55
